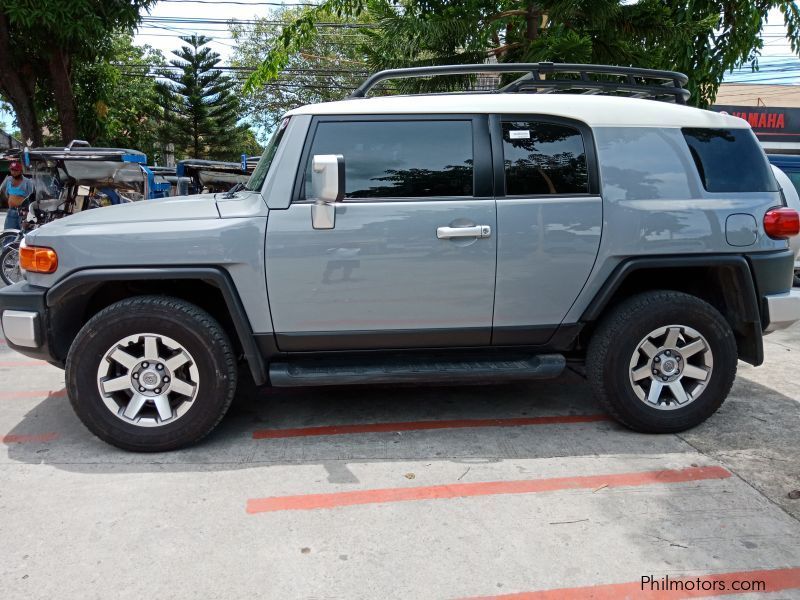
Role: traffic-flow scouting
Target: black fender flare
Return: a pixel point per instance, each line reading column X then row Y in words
column 744, row 313
column 85, row 281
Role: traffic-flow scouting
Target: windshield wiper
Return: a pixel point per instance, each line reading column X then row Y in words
column 232, row 192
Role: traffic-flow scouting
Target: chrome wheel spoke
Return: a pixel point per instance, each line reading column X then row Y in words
column 126, row 360
column 695, row 372
column 655, row 392
column 134, row 406
column 150, row 348
column 181, row 387
column 649, row 349
column 672, row 337
column 163, row 407
column 691, row 349
column 177, row 361
column 641, row 373
column 676, row 387
column 116, row 385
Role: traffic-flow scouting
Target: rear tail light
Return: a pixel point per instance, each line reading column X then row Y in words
column 781, row 223
column 37, row 259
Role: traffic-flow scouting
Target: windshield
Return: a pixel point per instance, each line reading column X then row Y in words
column 256, row 180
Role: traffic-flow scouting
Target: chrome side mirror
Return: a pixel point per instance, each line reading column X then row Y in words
column 327, row 188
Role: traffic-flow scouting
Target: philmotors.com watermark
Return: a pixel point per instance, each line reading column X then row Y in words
column 665, row 584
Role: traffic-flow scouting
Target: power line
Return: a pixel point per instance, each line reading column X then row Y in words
column 226, row 22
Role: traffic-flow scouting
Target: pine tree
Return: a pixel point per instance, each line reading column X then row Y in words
column 204, row 110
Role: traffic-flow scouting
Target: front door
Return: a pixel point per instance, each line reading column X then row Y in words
column 410, row 261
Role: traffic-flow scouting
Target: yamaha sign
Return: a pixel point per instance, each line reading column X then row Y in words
column 768, row 123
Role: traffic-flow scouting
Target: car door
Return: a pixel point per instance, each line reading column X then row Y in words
column 549, row 221
column 410, row 261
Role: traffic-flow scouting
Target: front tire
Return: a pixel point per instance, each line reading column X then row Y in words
column 151, row 374
column 662, row 361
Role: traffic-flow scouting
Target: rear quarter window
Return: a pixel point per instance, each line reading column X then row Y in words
column 730, row 160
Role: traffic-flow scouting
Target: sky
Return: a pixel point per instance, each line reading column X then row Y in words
column 778, row 64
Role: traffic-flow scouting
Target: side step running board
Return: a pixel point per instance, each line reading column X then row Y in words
column 311, row 372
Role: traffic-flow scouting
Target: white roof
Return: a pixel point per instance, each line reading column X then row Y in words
column 597, row 111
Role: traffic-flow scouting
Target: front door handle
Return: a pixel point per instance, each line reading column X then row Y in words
column 477, row 231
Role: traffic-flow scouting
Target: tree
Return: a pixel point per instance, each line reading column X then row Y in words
column 205, row 109
column 117, row 100
column 703, row 38
column 130, row 111
column 325, row 69
column 40, row 42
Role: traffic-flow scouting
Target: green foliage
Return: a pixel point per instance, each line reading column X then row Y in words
column 76, row 26
column 46, row 42
column 129, row 112
column 702, row 38
column 727, row 37
column 119, row 101
column 325, row 69
column 204, row 111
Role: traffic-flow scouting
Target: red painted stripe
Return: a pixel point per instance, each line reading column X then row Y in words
column 26, row 439
column 262, row 434
column 489, row 488
column 19, row 394
column 21, row 363
column 719, row 584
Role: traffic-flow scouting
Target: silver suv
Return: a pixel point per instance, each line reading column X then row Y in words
column 430, row 238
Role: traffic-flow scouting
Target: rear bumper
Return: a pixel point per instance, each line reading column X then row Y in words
column 782, row 310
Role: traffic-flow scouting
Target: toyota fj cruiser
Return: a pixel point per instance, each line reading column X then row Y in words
column 430, row 238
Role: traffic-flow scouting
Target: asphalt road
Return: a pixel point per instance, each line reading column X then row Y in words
column 414, row 492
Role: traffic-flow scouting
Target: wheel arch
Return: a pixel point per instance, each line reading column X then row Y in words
column 724, row 281
column 80, row 295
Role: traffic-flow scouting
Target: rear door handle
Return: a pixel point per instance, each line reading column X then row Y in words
column 477, row 231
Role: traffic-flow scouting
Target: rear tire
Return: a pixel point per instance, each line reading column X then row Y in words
column 151, row 374
column 662, row 361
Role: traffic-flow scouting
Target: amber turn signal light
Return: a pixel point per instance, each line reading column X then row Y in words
column 36, row 259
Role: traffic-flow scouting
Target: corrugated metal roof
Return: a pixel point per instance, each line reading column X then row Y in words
column 8, row 142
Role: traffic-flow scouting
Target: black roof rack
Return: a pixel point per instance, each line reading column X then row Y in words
column 541, row 78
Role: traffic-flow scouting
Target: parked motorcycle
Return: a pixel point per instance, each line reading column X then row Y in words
column 68, row 180
column 33, row 213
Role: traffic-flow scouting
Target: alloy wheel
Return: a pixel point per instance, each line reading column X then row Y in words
column 671, row 367
column 148, row 380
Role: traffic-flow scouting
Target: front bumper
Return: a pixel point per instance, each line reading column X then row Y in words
column 782, row 310
column 24, row 319
column 21, row 328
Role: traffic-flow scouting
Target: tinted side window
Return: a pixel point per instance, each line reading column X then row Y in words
column 543, row 158
column 399, row 159
column 730, row 160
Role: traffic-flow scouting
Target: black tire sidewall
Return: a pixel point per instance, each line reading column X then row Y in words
column 688, row 312
column 109, row 327
column 4, row 251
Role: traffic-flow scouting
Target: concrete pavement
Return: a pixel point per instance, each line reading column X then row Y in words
column 529, row 503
